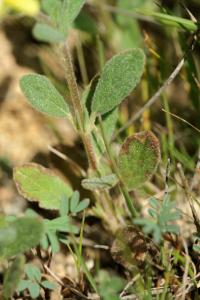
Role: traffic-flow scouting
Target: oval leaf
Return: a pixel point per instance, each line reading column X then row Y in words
column 28, row 232
column 138, row 158
column 40, row 184
column 82, row 205
column 120, row 76
column 43, row 95
column 45, row 33
column 106, row 182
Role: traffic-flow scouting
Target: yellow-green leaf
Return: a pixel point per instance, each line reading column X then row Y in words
column 40, row 184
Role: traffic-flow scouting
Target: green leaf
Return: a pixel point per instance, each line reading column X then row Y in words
column 53, row 9
column 70, row 11
column 81, row 206
column 74, row 201
column 120, row 76
column 138, row 158
column 106, row 182
column 61, row 224
column 64, row 206
column 170, row 20
column 44, row 242
column 76, row 205
column 23, row 285
column 33, row 272
column 43, row 96
column 34, row 289
column 46, row 33
column 163, row 214
column 54, row 242
column 28, row 233
column 40, row 184
column 48, row 285
column 12, row 277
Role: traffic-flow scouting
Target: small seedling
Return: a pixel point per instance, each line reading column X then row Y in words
column 54, row 229
column 34, row 282
column 163, row 215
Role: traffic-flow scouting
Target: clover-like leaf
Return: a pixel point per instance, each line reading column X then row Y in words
column 61, row 224
column 138, row 158
column 33, row 272
column 43, row 96
column 81, row 206
column 40, row 184
column 119, row 77
column 28, row 232
column 53, row 228
column 12, row 277
column 46, row 33
column 34, row 289
column 76, row 205
column 105, row 182
column 74, row 201
column 48, row 285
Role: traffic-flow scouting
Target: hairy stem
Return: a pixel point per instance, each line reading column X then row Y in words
column 78, row 115
column 77, row 110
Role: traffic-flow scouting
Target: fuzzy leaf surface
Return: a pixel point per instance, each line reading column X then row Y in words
column 28, row 232
column 41, row 185
column 105, row 182
column 119, row 77
column 138, row 158
column 45, row 33
column 43, row 96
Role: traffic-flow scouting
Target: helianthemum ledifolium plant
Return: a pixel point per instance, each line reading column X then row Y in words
column 94, row 115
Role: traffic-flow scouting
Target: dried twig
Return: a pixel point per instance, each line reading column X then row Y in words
column 58, row 280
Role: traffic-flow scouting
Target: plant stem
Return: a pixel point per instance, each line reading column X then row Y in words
column 78, row 115
column 122, row 186
column 73, row 88
column 77, row 110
